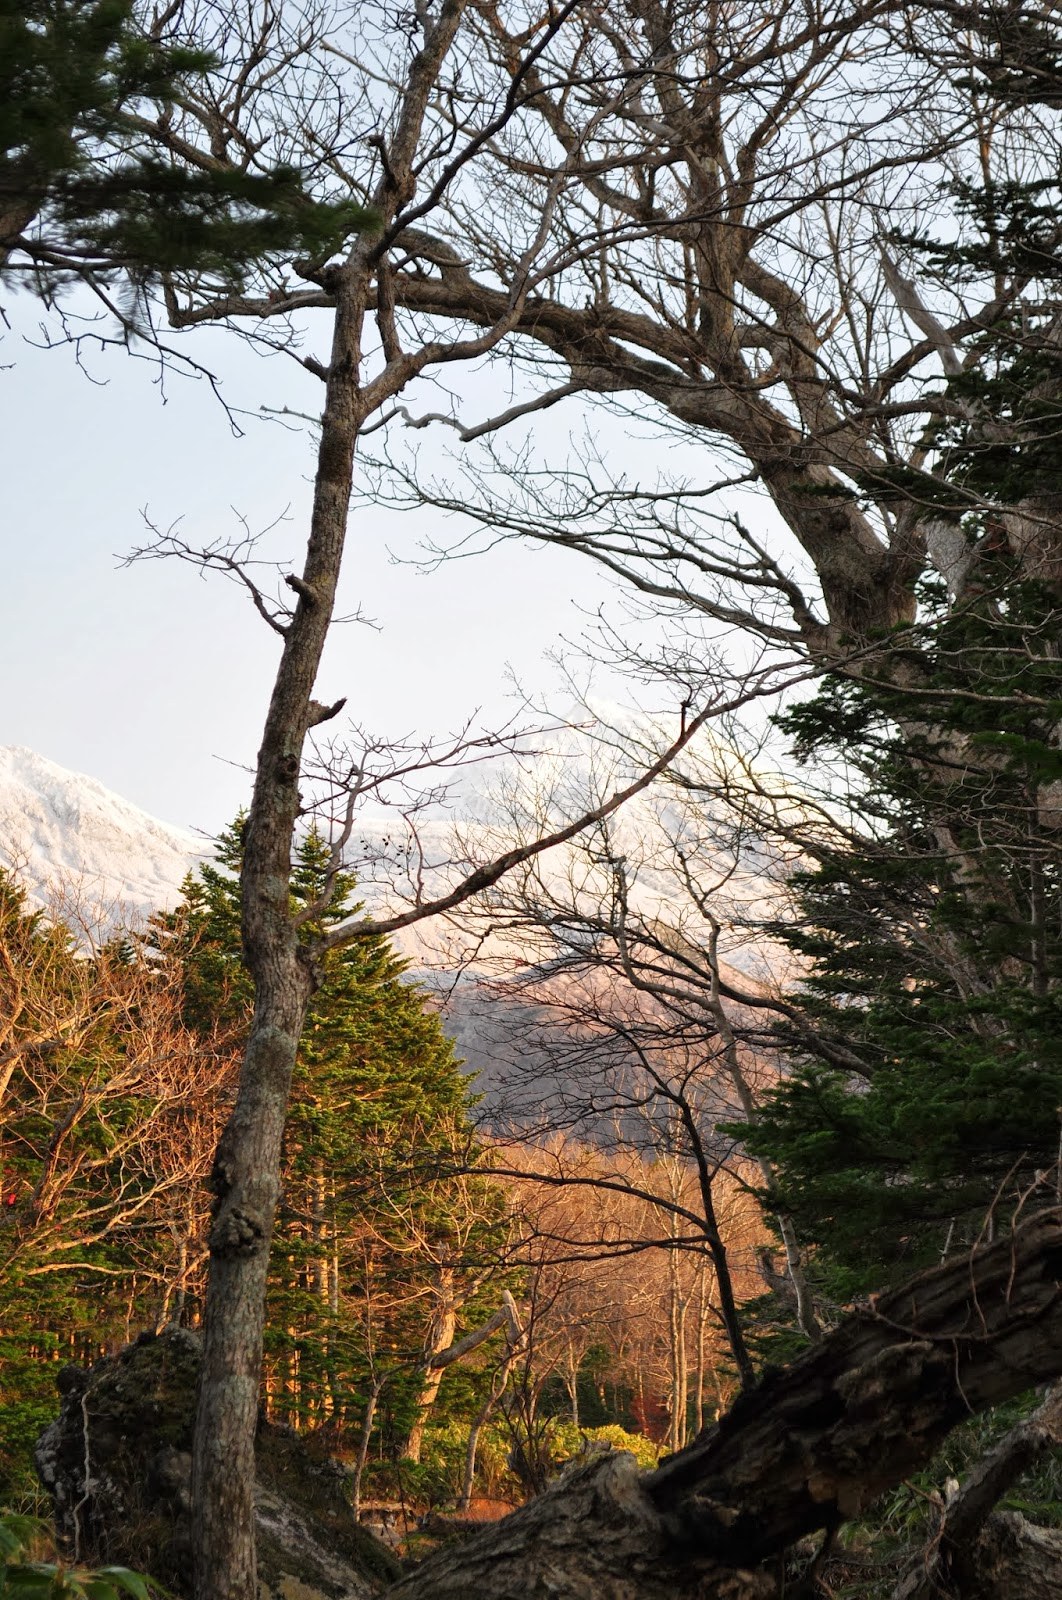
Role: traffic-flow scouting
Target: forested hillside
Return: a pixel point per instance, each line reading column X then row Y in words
column 397, row 1235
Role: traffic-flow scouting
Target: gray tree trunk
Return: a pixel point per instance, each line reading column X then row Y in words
column 246, row 1174
column 246, row 1177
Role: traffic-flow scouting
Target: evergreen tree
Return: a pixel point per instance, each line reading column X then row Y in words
column 82, row 190
column 932, row 934
column 115, row 1069
column 377, row 1134
column 932, row 930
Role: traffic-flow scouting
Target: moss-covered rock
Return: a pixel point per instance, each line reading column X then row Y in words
column 117, row 1462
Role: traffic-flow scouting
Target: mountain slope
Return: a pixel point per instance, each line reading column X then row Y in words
column 65, row 829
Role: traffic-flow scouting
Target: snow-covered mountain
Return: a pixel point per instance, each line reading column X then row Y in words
column 65, row 830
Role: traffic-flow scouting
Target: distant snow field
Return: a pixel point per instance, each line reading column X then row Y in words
column 65, row 831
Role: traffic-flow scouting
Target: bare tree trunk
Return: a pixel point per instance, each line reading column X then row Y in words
column 333, row 1262
column 571, row 1383
column 683, row 1386
column 175, row 1290
column 372, row 1401
column 811, row 1447
column 494, row 1394
column 444, row 1354
column 677, row 1306
column 246, row 1174
column 321, row 1234
column 703, row 1307
column 440, row 1338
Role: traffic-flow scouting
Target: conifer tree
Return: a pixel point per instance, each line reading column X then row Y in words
column 377, row 1132
column 932, row 929
column 932, row 934
column 83, row 190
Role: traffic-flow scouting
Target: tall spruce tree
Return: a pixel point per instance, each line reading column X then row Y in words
column 85, row 193
column 931, row 930
column 377, row 1131
column 932, row 936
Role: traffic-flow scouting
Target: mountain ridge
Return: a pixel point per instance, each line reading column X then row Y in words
column 65, row 832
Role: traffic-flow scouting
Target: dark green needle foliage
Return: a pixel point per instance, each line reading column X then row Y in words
column 933, row 944
column 378, row 1125
column 364, row 1024
column 85, row 186
column 928, row 1089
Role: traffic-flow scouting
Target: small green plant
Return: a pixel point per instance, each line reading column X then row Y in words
column 568, row 1442
column 22, row 1578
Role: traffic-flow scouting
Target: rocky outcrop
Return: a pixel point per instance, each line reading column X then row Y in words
column 117, row 1463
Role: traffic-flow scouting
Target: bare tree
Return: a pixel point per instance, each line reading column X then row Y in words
column 726, row 276
column 614, row 1259
column 110, row 1108
column 604, row 999
column 284, row 82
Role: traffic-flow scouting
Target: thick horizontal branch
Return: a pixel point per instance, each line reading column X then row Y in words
column 505, row 1317
column 819, row 1441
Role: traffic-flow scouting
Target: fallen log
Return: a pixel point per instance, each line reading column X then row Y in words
column 813, row 1445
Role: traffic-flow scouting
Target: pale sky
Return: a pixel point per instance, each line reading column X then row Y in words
column 153, row 679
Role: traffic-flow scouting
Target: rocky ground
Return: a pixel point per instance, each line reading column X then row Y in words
column 117, row 1463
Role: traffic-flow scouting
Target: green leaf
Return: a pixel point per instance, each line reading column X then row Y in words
column 133, row 1583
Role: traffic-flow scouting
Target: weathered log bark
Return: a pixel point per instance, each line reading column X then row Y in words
column 810, row 1447
column 978, row 1553
column 1012, row 1560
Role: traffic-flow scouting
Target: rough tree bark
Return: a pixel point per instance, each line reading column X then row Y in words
column 246, row 1175
column 979, row 1553
column 808, row 1449
column 805, row 448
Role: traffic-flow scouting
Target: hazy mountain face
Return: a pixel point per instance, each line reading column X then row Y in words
column 65, row 831
column 70, row 837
